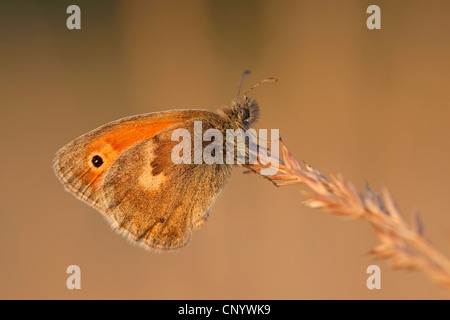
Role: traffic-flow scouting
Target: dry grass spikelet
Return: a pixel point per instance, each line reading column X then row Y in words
column 404, row 243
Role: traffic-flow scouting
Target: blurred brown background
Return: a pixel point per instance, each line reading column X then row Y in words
column 373, row 105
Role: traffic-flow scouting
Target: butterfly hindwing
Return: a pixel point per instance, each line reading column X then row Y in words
column 156, row 202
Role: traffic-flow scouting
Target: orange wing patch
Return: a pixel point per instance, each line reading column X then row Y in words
column 129, row 134
column 112, row 144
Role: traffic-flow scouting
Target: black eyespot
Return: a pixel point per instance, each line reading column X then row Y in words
column 97, row 161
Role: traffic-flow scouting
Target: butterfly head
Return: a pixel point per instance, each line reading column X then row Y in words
column 244, row 112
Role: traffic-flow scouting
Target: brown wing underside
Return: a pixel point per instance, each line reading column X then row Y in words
column 156, row 202
column 140, row 190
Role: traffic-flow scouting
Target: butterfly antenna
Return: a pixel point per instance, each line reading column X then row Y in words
column 246, row 72
column 260, row 83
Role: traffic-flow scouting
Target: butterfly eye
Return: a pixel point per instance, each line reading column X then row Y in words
column 243, row 112
column 97, row 161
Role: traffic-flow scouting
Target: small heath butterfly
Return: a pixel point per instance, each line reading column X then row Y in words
column 125, row 170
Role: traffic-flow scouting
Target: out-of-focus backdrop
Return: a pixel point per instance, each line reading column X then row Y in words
column 370, row 104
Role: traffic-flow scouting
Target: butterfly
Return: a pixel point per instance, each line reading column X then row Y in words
column 125, row 170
